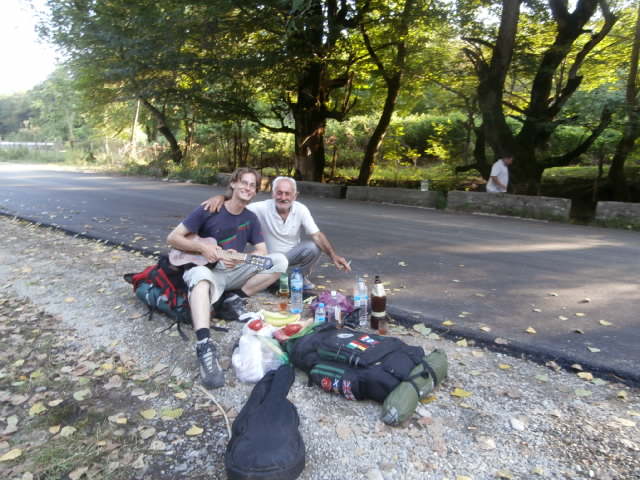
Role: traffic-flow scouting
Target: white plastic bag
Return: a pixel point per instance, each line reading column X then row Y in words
column 256, row 354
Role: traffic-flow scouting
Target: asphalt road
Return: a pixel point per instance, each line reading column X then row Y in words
column 554, row 291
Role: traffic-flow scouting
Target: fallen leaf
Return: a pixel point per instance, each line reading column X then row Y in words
column 501, row 341
column 55, row 403
column 54, row 430
column 585, row 376
column 194, row 431
column 180, row 395
column 402, row 264
column 580, row 314
column 585, row 300
column 552, row 294
column 577, row 330
column 563, row 318
column 504, row 366
column 69, row 300
column 538, row 471
column 118, row 418
column 12, row 425
column 462, row 343
column 633, row 413
column 148, row 414
column 11, row 455
column 82, row 394
column 421, row 328
column 448, row 323
column 604, row 323
column 622, row 395
column 542, row 378
column 531, row 330
column 169, row 414
column 593, row 349
column 485, row 329
column 157, row 445
column 582, row 393
column 460, row 393
column 139, row 463
column 537, row 310
column 67, row 431
column 36, row 409
column 147, row 433
column 504, row 474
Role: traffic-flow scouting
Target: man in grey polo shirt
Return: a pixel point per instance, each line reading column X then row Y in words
column 283, row 219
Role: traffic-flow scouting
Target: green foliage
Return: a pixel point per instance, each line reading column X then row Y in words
column 28, row 155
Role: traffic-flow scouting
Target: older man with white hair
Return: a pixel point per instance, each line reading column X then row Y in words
column 283, row 219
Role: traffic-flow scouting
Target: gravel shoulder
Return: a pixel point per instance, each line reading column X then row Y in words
column 494, row 417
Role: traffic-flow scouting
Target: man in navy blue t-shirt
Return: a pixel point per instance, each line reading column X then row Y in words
column 224, row 282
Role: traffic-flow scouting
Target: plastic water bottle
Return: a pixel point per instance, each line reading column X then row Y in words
column 363, row 294
column 335, row 312
column 320, row 315
column 296, row 285
column 357, row 299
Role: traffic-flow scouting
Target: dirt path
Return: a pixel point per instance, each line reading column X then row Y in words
column 90, row 389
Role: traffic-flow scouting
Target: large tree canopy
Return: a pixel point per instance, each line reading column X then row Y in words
column 537, row 102
column 518, row 70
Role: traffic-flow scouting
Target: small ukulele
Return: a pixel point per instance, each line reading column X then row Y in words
column 178, row 257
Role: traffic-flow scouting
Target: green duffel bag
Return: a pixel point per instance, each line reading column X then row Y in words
column 402, row 401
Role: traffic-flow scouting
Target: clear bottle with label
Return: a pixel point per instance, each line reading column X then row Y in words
column 320, row 315
column 378, row 304
column 363, row 316
column 296, row 291
column 335, row 313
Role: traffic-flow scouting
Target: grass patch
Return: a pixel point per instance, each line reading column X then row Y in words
column 620, row 222
column 61, row 456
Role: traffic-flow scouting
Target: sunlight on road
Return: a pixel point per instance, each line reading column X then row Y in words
column 535, row 247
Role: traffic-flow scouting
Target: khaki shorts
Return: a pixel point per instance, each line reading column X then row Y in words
column 223, row 279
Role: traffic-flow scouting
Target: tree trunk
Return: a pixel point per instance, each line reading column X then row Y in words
column 632, row 128
column 310, row 123
column 393, row 78
column 366, row 168
column 163, row 128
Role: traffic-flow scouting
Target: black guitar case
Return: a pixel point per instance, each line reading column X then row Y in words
column 265, row 442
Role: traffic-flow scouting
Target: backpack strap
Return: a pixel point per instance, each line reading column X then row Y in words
column 426, row 373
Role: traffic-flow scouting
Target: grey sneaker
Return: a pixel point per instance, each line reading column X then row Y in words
column 211, row 374
column 233, row 309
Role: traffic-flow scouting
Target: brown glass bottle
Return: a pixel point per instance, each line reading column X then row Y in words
column 378, row 304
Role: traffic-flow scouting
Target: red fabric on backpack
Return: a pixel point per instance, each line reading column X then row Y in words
column 157, row 277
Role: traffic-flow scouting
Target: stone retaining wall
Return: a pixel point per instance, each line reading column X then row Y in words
column 321, row 189
column 404, row 196
column 619, row 212
column 546, row 208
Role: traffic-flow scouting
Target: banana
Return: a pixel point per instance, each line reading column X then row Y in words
column 279, row 319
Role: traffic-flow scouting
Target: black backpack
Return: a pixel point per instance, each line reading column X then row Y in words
column 266, row 443
column 355, row 364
